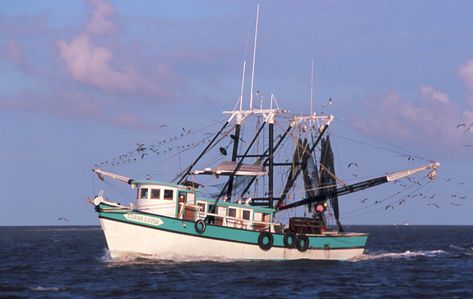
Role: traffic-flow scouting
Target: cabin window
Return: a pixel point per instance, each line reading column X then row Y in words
column 155, row 193
column 191, row 198
column 266, row 217
column 144, row 193
column 202, row 206
column 168, row 194
column 232, row 212
column 246, row 214
column 258, row 217
column 222, row 211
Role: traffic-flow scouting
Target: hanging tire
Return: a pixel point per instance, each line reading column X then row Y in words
column 302, row 243
column 290, row 240
column 200, row 226
column 265, row 240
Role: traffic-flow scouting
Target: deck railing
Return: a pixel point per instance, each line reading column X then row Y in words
column 222, row 220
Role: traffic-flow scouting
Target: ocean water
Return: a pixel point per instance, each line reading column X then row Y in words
column 399, row 262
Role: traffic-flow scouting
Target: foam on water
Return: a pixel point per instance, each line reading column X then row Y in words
column 399, row 255
column 126, row 258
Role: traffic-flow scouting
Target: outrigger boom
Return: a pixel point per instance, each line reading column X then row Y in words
column 364, row 185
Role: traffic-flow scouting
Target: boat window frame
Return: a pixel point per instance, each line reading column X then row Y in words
column 141, row 193
column 243, row 211
column 151, row 193
column 167, row 197
column 232, row 209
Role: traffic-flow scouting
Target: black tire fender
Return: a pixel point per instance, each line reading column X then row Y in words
column 200, row 226
column 302, row 243
column 290, row 240
column 261, row 240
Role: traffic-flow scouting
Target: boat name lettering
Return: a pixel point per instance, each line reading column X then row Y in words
column 143, row 219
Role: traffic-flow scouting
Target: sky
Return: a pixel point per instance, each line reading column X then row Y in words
column 85, row 81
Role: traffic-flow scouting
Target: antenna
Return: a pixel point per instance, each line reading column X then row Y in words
column 242, row 84
column 254, row 57
column 312, row 87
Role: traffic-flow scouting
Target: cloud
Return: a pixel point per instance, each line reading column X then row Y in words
column 13, row 53
column 428, row 121
column 466, row 74
column 94, row 64
column 430, row 93
column 90, row 64
column 99, row 22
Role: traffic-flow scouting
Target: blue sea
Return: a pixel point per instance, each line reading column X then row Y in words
column 399, row 262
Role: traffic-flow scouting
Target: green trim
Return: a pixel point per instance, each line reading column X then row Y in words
column 149, row 182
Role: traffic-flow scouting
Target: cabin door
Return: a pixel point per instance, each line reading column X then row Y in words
column 182, row 198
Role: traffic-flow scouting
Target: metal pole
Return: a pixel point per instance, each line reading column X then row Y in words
column 234, row 156
column 270, row 167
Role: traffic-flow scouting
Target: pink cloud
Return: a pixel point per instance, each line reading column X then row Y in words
column 430, row 93
column 99, row 22
column 96, row 65
column 14, row 53
column 69, row 104
column 429, row 121
column 466, row 74
column 133, row 121
column 90, row 64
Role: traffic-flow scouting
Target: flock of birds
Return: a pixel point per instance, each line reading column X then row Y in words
column 166, row 146
column 409, row 182
column 161, row 148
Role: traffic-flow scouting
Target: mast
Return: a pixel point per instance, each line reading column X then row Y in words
column 270, row 160
column 266, row 161
column 242, row 84
column 241, row 160
column 312, row 87
column 234, row 156
column 254, row 58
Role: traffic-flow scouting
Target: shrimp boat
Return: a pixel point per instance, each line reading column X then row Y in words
column 286, row 163
column 169, row 220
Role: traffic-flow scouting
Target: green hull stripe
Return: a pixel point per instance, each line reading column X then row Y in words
column 233, row 234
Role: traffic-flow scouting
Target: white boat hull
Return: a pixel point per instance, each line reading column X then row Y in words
column 125, row 239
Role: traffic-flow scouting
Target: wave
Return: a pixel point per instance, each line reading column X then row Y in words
column 20, row 288
column 126, row 258
column 61, row 229
column 47, row 289
column 468, row 251
column 399, row 255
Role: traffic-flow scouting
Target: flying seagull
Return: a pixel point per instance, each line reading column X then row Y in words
column 434, row 204
column 63, row 219
column 352, row 164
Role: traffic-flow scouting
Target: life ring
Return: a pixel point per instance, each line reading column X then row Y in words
column 200, row 226
column 302, row 243
column 290, row 240
column 265, row 240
